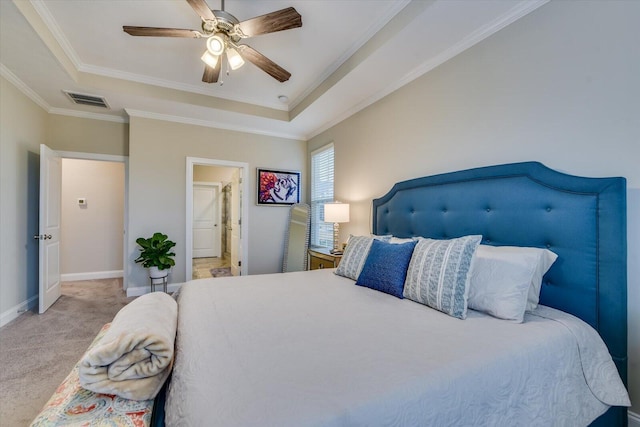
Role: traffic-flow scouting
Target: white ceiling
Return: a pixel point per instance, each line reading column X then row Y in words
column 347, row 55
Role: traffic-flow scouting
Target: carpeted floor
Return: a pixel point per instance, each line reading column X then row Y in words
column 38, row 351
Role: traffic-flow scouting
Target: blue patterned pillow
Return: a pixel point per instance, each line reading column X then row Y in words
column 355, row 254
column 386, row 267
column 437, row 274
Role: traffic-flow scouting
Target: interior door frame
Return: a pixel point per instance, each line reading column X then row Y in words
column 244, row 213
column 118, row 159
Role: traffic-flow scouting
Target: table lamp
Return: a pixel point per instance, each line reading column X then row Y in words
column 336, row 213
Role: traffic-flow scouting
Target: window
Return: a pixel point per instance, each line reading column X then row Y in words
column 321, row 193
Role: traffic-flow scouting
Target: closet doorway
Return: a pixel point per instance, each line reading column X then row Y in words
column 93, row 204
column 216, row 218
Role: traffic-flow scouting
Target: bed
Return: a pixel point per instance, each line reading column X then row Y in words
column 312, row 349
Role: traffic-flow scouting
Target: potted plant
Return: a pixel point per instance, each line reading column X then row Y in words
column 156, row 254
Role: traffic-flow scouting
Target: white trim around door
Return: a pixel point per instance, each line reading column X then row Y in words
column 244, row 214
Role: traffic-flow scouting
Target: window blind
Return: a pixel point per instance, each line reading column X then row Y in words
column 321, row 193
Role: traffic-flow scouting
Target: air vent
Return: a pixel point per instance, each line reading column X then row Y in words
column 84, row 99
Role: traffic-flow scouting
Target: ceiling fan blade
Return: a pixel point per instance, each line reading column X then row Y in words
column 264, row 63
column 201, row 8
column 160, row 32
column 211, row 74
column 284, row 19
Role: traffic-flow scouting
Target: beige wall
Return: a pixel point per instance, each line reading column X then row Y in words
column 66, row 133
column 559, row 86
column 157, row 181
column 91, row 235
column 204, row 173
column 22, row 130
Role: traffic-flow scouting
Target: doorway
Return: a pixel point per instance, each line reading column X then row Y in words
column 92, row 219
column 50, row 199
column 216, row 218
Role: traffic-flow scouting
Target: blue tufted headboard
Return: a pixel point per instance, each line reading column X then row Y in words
column 582, row 220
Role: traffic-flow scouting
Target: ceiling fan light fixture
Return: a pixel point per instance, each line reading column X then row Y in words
column 209, row 59
column 215, row 45
column 234, row 58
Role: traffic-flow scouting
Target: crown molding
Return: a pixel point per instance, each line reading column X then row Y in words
column 48, row 19
column 371, row 31
column 518, row 11
column 88, row 115
column 138, row 78
column 57, row 33
column 22, row 87
column 209, row 124
column 29, row 93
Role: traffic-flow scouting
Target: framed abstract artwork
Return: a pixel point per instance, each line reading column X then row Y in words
column 277, row 187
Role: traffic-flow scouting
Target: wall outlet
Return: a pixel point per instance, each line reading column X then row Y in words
column 82, row 201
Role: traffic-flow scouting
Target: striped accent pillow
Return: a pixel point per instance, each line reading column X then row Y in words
column 437, row 274
column 355, row 254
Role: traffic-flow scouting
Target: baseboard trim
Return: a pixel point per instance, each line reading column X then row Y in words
column 95, row 275
column 136, row 291
column 634, row 419
column 17, row 310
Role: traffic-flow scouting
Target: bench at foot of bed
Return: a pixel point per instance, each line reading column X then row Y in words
column 72, row 405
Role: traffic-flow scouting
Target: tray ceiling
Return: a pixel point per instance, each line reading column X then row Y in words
column 347, row 55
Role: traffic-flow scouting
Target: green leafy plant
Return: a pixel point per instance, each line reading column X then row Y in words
column 156, row 251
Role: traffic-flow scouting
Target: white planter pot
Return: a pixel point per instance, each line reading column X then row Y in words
column 154, row 273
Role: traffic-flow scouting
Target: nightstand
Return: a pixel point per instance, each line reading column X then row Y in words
column 322, row 258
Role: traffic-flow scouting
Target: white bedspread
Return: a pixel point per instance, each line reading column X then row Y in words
column 313, row 349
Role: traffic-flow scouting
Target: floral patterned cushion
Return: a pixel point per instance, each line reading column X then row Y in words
column 72, row 405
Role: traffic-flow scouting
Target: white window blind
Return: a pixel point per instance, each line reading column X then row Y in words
column 321, row 193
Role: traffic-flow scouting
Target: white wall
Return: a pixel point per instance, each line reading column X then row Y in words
column 92, row 235
column 560, row 86
column 22, row 130
column 157, row 187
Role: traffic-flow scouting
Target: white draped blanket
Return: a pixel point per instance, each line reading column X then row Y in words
column 313, row 349
column 135, row 356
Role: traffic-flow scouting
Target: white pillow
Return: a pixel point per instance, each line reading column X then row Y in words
column 546, row 258
column 399, row 240
column 505, row 281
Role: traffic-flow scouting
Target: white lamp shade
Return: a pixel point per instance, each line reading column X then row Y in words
column 209, row 59
column 336, row 212
column 234, row 58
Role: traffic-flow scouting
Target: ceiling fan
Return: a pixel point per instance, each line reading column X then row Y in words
column 223, row 32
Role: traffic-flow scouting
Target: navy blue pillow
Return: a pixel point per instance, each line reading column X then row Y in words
column 386, row 267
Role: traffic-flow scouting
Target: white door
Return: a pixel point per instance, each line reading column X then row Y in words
column 49, row 232
column 236, row 209
column 206, row 220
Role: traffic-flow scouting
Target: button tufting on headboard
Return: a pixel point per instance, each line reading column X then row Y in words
column 511, row 205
